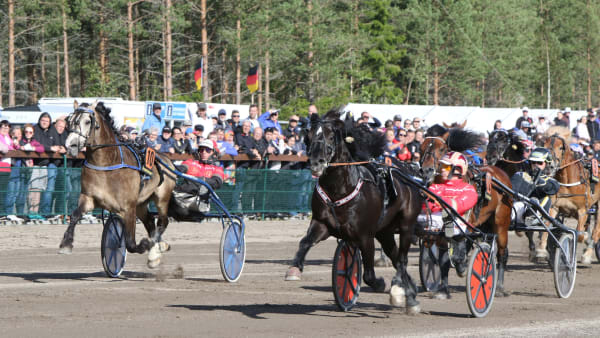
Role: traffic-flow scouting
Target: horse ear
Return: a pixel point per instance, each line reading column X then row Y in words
column 488, row 132
column 93, row 107
column 462, row 125
column 447, row 126
column 75, row 105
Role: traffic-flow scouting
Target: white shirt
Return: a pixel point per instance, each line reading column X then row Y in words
column 206, row 122
column 582, row 131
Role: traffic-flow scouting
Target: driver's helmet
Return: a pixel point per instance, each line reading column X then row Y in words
column 540, row 155
column 457, row 160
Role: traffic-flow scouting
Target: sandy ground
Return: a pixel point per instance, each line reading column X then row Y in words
column 51, row 295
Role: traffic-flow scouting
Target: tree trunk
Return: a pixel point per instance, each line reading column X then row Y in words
column 260, row 89
column 1, row 104
column 130, row 50
column 205, row 81
column 42, row 66
column 58, row 69
column 65, row 50
column 31, row 79
column 311, row 94
column 267, row 84
column 11, row 53
column 483, row 93
column 168, row 52
column 102, row 52
column 589, row 78
column 238, row 75
column 436, row 81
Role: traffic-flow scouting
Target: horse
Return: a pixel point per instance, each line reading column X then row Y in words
column 335, row 145
column 490, row 215
column 574, row 198
column 110, row 179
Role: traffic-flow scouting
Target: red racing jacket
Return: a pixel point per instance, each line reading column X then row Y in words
column 203, row 170
column 463, row 194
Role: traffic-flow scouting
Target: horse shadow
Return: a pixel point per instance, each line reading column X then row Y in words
column 288, row 262
column 39, row 277
column 261, row 311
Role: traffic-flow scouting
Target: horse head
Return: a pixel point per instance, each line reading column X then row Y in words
column 499, row 142
column 325, row 139
column 556, row 142
column 82, row 124
column 434, row 146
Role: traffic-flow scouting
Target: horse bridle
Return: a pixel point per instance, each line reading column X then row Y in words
column 554, row 168
column 429, row 151
column 329, row 149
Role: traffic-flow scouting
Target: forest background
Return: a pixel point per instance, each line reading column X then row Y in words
column 539, row 53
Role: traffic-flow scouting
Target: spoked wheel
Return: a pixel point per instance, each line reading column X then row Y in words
column 429, row 267
column 233, row 251
column 565, row 266
column 346, row 275
column 113, row 250
column 597, row 250
column 481, row 280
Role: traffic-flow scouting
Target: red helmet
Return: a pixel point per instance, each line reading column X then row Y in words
column 456, row 159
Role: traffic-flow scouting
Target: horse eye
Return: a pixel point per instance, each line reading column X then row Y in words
column 88, row 122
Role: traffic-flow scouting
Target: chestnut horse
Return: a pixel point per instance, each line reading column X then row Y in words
column 335, row 146
column 110, row 180
column 490, row 215
column 574, row 198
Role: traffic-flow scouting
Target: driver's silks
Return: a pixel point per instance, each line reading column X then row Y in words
column 488, row 186
column 595, row 170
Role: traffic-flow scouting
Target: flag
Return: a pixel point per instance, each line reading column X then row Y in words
column 198, row 74
column 252, row 80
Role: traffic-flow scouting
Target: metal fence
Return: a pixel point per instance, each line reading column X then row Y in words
column 43, row 192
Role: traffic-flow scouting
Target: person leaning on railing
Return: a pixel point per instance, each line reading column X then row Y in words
column 6, row 144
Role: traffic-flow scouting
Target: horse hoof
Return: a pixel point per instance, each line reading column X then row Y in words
column 154, row 253
column 378, row 285
column 65, row 250
column 413, row 310
column 441, row 295
column 519, row 233
column 164, row 246
column 397, row 296
column 501, row 293
column 541, row 254
column 586, row 260
column 582, row 237
column 293, row 274
column 153, row 264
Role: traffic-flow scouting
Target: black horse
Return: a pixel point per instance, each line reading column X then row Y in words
column 506, row 151
column 349, row 203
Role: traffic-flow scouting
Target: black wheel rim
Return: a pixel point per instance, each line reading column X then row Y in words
column 347, row 274
column 114, row 249
column 430, row 268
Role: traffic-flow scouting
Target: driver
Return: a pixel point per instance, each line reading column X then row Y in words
column 535, row 182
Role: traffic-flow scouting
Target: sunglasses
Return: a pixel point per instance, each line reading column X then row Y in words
column 402, row 135
column 28, row 131
column 205, row 150
column 235, row 116
column 446, row 167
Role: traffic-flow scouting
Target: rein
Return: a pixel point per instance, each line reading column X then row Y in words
column 339, row 164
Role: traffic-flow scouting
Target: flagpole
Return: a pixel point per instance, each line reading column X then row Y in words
column 252, row 98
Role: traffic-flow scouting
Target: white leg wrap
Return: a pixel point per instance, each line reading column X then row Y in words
column 397, row 296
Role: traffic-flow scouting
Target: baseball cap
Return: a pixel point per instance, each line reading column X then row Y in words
column 206, row 144
column 156, row 105
column 189, row 131
column 567, row 110
column 199, row 127
column 134, row 131
column 525, row 109
column 222, row 112
column 166, row 130
column 201, row 105
column 397, row 117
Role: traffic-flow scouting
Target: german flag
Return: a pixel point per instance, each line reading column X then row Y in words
column 252, row 80
column 198, row 74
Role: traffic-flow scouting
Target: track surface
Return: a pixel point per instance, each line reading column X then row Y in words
column 46, row 294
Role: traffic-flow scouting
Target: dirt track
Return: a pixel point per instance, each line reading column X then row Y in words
column 46, row 294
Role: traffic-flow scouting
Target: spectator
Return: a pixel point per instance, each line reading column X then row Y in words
column 234, row 123
column 133, row 134
column 392, row 147
column 592, row 125
column 63, row 176
column 403, row 153
column 416, row 123
column 567, row 116
column 407, row 124
column 524, row 117
column 497, row 125
column 44, row 175
column 215, row 121
column 165, row 142
column 124, row 133
column 397, row 123
column 270, row 120
column 180, row 144
column 246, row 144
column 368, row 118
column 221, row 134
column 542, row 125
column 200, row 118
column 227, row 144
column 526, row 128
column 152, row 138
column 6, row 144
column 290, row 131
column 252, row 117
column 414, row 146
column 596, row 149
column 305, row 121
column 222, row 120
column 199, row 133
column 389, row 124
column 581, row 130
column 154, row 120
column 291, row 149
column 192, row 140
column 559, row 120
column 261, row 143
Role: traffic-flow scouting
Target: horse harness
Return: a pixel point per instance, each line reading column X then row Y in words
column 582, row 178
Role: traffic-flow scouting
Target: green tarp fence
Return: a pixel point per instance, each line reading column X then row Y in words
column 25, row 191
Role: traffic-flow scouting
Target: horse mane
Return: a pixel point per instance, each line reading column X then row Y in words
column 364, row 144
column 436, row 130
column 105, row 113
column 464, row 139
column 563, row 132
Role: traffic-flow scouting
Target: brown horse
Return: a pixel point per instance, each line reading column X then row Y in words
column 109, row 180
column 574, row 198
column 490, row 215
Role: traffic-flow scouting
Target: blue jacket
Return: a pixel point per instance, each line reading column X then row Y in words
column 265, row 122
column 227, row 148
column 153, row 121
column 474, row 157
column 165, row 144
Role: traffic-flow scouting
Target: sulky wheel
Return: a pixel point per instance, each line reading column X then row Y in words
column 113, row 250
column 346, row 275
column 597, row 250
column 565, row 266
column 233, row 251
column 429, row 267
column 481, row 280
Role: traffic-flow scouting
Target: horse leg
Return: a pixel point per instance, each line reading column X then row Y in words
column 84, row 205
column 404, row 289
column 501, row 225
column 388, row 246
column 541, row 253
column 532, row 251
column 582, row 218
column 129, row 220
column 317, row 232
column 367, row 250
